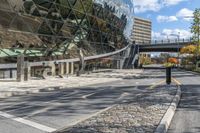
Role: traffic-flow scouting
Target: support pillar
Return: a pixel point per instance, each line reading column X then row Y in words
column 11, row 74
column 27, row 71
column 53, row 69
column 61, row 68
column 67, row 67
column 118, row 64
column 20, row 68
column 72, row 67
column 121, row 63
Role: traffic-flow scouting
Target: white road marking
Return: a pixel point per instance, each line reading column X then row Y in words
column 85, row 96
column 86, row 117
column 123, row 95
column 27, row 122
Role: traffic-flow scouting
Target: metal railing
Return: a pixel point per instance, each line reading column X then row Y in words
column 167, row 41
column 40, row 63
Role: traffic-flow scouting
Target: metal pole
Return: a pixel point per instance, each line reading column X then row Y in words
column 178, row 47
column 168, row 75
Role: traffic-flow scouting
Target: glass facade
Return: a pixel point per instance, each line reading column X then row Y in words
column 44, row 28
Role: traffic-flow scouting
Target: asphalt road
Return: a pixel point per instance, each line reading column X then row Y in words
column 52, row 110
column 187, row 116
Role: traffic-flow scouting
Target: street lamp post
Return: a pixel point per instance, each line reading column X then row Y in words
column 166, row 35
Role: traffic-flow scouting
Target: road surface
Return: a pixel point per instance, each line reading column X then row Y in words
column 52, row 110
column 187, row 116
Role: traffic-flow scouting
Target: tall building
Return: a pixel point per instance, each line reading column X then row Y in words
column 141, row 34
column 59, row 28
column 141, row 31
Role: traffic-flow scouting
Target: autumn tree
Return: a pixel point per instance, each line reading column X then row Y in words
column 173, row 60
column 190, row 49
column 195, row 29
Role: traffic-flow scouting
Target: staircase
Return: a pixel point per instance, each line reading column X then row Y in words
column 133, row 56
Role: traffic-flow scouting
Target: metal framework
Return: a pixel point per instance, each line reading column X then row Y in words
column 38, row 28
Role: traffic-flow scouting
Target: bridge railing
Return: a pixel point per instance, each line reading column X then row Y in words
column 168, row 41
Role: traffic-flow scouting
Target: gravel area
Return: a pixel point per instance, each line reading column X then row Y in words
column 141, row 114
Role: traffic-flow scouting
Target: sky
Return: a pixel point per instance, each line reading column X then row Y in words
column 169, row 17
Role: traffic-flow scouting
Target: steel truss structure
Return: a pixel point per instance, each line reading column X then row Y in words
column 59, row 28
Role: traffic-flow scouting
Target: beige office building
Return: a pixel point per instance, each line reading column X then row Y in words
column 141, row 34
column 141, row 31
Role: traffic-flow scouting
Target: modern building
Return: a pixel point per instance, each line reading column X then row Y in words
column 59, row 28
column 141, row 34
column 141, row 30
column 51, row 30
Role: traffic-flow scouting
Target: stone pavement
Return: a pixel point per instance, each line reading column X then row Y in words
column 140, row 114
column 13, row 88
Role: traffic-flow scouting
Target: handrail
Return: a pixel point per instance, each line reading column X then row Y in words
column 167, row 41
column 14, row 65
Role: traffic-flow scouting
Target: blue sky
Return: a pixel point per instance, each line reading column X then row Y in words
column 167, row 16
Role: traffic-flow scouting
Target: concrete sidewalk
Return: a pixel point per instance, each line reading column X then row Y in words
column 13, row 88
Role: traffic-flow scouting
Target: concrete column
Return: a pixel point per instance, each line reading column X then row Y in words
column 61, row 68
column 72, row 67
column 118, row 64
column 53, row 69
column 20, row 68
column 11, row 74
column 67, row 67
column 121, row 63
column 27, row 71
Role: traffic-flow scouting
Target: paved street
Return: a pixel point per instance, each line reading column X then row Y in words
column 51, row 110
column 48, row 111
column 187, row 116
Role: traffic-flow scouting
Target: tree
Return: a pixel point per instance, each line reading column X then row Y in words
column 145, row 60
column 173, row 60
column 190, row 49
column 195, row 29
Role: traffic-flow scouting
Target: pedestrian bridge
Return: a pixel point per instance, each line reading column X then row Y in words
column 154, row 46
column 164, row 45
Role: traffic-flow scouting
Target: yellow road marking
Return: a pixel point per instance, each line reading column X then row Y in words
column 160, row 82
column 176, row 81
column 156, row 84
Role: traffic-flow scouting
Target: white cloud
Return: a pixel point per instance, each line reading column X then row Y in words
column 171, row 34
column 166, row 18
column 146, row 5
column 172, row 2
column 156, row 35
column 142, row 6
column 185, row 14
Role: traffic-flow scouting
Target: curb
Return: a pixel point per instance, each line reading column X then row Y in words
column 83, row 119
column 193, row 72
column 167, row 118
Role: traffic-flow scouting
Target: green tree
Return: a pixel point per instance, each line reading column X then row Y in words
column 195, row 29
